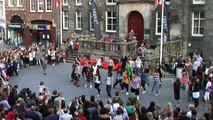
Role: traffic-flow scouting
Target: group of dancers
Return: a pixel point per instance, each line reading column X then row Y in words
column 130, row 76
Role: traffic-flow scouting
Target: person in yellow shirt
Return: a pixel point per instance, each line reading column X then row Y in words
column 126, row 82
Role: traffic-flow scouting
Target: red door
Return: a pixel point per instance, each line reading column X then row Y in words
column 136, row 23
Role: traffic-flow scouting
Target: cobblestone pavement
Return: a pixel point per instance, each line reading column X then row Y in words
column 58, row 78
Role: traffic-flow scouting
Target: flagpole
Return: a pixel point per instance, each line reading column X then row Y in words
column 60, row 12
column 161, row 40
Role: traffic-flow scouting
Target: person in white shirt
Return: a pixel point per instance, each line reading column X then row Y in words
column 111, row 65
column 109, row 84
column 99, row 62
column 138, row 65
column 131, row 62
column 195, row 66
column 97, row 78
column 208, row 91
column 31, row 58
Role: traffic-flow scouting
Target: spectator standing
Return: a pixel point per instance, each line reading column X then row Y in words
column 97, row 78
column 124, row 59
column 176, row 87
column 195, row 92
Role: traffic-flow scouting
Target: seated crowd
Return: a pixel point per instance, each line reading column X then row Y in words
column 25, row 104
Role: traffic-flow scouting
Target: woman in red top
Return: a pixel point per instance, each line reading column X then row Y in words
column 11, row 115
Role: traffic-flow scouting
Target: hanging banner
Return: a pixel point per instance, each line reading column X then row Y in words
column 166, row 34
column 96, row 21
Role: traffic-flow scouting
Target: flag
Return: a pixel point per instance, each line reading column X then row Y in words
column 58, row 4
column 166, row 34
column 159, row 3
column 96, row 21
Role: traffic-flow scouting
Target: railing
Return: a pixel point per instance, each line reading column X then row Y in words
column 105, row 48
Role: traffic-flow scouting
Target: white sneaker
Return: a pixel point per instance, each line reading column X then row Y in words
column 127, row 93
column 85, row 85
column 156, row 94
column 146, row 85
column 137, row 97
column 53, row 64
column 90, row 86
column 144, row 92
column 98, row 95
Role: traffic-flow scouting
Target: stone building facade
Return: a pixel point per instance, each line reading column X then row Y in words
column 189, row 20
column 2, row 22
column 30, row 21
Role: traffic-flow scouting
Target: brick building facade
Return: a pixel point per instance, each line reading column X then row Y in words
column 31, row 21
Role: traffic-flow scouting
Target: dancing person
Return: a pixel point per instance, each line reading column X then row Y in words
column 63, row 55
column 109, row 83
column 135, row 85
column 119, row 78
column 97, row 78
column 44, row 65
column 111, row 64
column 143, row 80
column 195, row 92
column 138, row 64
column 77, row 73
column 124, row 59
column 156, row 81
column 147, row 73
column 176, row 87
column 126, row 81
column 129, row 70
column 89, row 76
column 85, row 68
column 208, row 90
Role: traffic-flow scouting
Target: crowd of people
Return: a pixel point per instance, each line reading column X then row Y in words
column 132, row 76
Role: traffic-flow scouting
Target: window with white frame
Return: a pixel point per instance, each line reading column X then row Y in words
column 1, row 9
column 32, row 5
column 65, row 20
column 110, row 21
column 40, row 5
column 20, row 3
column 78, row 20
column 48, row 5
column 158, row 23
column 78, row 2
column 65, row 2
column 11, row 3
column 199, row 1
column 198, row 19
column 91, row 22
column 111, row 2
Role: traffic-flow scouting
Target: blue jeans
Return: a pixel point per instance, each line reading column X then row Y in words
column 138, row 70
column 108, row 90
column 155, row 86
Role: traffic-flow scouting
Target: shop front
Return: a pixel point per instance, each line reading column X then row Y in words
column 40, row 33
column 15, row 34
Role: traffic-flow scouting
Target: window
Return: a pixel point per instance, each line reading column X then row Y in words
column 78, row 20
column 199, row 1
column 65, row 20
column 111, row 2
column 65, row 2
column 11, row 3
column 40, row 5
column 1, row 9
column 198, row 19
column 158, row 23
column 110, row 21
column 78, row 2
column 91, row 22
column 32, row 5
column 48, row 5
column 20, row 3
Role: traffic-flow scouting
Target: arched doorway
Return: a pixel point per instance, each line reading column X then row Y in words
column 136, row 23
